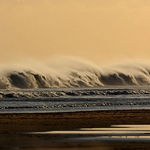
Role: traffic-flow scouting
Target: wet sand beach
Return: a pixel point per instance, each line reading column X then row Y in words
column 103, row 129
column 47, row 121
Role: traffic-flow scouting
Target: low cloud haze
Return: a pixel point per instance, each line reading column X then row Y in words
column 100, row 31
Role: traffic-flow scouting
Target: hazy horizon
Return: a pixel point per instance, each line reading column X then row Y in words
column 99, row 31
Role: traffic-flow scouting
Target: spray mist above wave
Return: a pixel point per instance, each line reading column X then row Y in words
column 71, row 72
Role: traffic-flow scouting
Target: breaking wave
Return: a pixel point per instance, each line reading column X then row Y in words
column 70, row 72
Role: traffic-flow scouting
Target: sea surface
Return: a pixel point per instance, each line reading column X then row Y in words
column 74, row 99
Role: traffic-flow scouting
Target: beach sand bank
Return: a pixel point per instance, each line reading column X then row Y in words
column 104, row 129
column 47, row 121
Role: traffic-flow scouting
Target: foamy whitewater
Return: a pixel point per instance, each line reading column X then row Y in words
column 68, row 84
column 74, row 99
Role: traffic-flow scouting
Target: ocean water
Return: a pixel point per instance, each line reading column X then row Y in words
column 70, row 84
column 74, row 99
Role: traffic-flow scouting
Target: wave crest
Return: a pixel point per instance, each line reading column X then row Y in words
column 73, row 73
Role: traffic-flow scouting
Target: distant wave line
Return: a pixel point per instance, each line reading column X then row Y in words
column 73, row 73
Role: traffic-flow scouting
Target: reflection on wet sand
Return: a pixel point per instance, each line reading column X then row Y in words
column 111, row 130
column 114, row 137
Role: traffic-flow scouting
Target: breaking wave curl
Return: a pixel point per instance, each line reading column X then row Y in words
column 70, row 72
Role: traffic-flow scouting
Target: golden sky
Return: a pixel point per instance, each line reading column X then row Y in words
column 98, row 30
